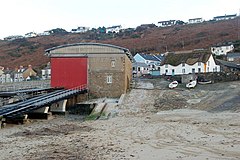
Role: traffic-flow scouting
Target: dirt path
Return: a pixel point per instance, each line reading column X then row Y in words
column 146, row 127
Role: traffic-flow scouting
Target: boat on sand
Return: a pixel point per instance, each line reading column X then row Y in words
column 173, row 84
column 191, row 84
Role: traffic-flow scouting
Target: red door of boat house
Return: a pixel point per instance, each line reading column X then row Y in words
column 68, row 72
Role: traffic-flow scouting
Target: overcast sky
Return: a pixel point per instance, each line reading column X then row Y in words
column 22, row 16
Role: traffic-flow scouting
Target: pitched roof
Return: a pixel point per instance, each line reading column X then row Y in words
column 228, row 64
column 188, row 58
column 233, row 55
column 139, row 64
column 150, row 57
column 225, row 16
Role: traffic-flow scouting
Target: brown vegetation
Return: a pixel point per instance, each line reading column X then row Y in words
column 176, row 38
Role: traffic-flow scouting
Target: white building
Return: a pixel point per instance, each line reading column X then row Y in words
column 80, row 30
column 45, row 33
column 5, row 77
column 114, row 29
column 222, row 49
column 188, row 63
column 140, row 69
column 167, row 23
column 30, row 34
column 195, row 20
column 153, row 61
column 46, row 72
column 12, row 38
column 225, row 17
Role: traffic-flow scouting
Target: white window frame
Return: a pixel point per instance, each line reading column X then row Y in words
column 109, row 79
column 113, row 63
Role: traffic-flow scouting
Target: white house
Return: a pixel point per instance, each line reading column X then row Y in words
column 80, row 30
column 153, row 61
column 114, row 29
column 45, row 33
column 140, row 69
column 46, row 72
column 225, row 17
column 195, row 20
column 222, row 49
column 188, row 63
column 12, row 38
column 5, row 77
column 167, row 23
column 30, row 34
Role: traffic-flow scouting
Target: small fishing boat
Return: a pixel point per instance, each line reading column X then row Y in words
column 191, row 84
column 204, row 82
column 173, row 84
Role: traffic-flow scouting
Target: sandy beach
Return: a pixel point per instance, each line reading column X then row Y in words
column 153, row 122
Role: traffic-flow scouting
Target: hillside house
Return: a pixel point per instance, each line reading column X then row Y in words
column 233, row 57
column 114, row 29
column 80, row 30
column 152, row 61
column 167, row 23
column 225, row 17
column 12, row 38
column 195, row 20
column 222, row 49
column 140, row 69
column 46, row 72
column 30, row 35
column 45, row 33
column 106, row 69
column 188, row 63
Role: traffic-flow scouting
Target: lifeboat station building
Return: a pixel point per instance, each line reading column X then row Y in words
column 105, row 69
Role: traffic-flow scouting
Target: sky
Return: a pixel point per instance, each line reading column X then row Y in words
column 19, row 17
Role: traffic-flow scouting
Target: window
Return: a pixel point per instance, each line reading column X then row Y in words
column 133, row 68
column 166, row 66
column 109, row 79
column 166, row 71
column 113, row 63
column 193, row 70
column 183, row 64
column 199, row 70
column 139, row 69
column 199, row 63
column 183, row 70
column 208, row 63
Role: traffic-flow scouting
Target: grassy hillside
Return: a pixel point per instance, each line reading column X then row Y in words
column 185, row 37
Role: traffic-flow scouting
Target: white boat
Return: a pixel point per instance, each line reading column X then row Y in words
column 204, row 82
column 191, row 84
column 173, row 84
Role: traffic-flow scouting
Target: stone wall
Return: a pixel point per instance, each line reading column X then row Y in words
column 100, row 68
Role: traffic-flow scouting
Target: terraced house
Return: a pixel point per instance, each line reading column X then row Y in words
column 188, row 63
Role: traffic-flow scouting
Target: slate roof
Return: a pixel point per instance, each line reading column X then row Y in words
column 151, row 57
column 188, row 58
column 233, row 55
column 139, row 64
column 225, row 16
column 228, row 64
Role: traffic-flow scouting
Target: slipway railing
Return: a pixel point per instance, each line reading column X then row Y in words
column 10, row 111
